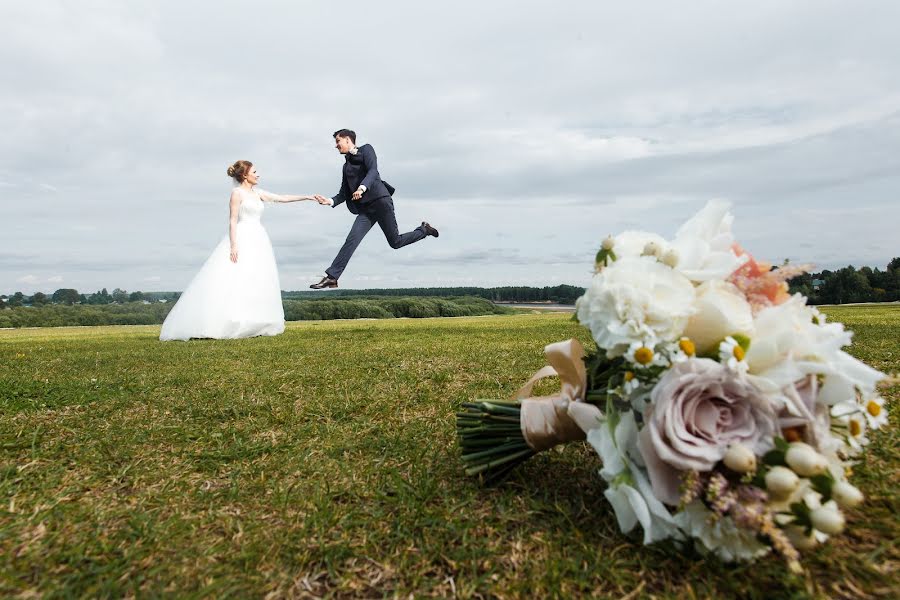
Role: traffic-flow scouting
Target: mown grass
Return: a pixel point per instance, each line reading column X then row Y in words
column 322, row 462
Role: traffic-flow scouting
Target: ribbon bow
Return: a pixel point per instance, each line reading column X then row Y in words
column 563, row 417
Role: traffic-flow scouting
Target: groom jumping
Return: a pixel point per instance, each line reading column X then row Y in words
column 370, row 200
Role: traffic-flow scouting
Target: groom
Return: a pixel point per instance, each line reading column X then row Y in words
column 369, row 198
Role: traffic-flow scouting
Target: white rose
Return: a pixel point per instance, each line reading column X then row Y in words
column 704, row 244
column 636, row 299
column 720, row 311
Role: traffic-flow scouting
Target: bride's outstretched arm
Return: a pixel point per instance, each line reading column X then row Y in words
column 233, row 211
column 270, row 197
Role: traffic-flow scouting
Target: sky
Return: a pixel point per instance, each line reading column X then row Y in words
column 526, row 132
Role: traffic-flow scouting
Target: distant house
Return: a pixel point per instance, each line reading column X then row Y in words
column 817, row 283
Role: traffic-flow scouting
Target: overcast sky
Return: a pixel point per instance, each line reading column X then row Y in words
column 524, row 131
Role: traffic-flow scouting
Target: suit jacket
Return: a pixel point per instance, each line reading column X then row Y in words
column 361, row 169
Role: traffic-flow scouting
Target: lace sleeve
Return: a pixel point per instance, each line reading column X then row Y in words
column 266, row 196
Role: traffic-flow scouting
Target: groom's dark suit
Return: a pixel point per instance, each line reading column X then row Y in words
column 375, row 206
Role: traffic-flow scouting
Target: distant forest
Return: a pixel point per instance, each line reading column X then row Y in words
column 322, row 308
column 850, row 285
column 846, row 285
column 558, row 294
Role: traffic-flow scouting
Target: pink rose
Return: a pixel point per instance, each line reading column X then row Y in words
column 699, row 408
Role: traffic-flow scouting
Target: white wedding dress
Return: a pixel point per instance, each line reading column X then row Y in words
column 227, row 300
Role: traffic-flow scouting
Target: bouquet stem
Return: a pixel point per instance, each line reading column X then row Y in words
column 491, row 438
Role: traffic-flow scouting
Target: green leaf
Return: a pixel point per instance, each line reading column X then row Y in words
column 759, row 478
column 823, row 484
column 623, row 478
column 612, row 416
column 742, row 340
column 802, row 513
column 782, row 444
column 775, row 458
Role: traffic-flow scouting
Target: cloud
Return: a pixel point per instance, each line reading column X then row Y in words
column 525, row 134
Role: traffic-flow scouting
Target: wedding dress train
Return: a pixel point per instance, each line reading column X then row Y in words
column 227, row 300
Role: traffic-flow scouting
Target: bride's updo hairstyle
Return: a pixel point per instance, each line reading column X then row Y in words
column 239, row 170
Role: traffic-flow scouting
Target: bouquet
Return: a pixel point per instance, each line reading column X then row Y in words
column 724, row 410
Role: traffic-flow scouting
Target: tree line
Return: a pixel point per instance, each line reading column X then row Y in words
column 558, row 294
column 841, row 286
column 154, row 313
column 69, row 297
column 850, row 285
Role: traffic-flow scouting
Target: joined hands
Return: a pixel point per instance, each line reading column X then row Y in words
column 323, row 200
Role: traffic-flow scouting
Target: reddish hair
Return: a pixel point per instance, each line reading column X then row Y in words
column 238, row 171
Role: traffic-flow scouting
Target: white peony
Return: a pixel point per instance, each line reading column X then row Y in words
column 791, row 342
column 704, row 244
column 636, row 299
column 720, row 311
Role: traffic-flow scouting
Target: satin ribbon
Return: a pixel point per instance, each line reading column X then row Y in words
column 563, row 417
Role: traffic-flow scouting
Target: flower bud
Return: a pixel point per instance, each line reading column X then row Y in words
column 846, row 494
column 740, row 459
column 827, row 520
column 799, row 539
column 652, row 249
column 804, row 460
column 781, row 482
column 670, row 258
column 608, row 243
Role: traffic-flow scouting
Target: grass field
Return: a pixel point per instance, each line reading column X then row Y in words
column 323, row 463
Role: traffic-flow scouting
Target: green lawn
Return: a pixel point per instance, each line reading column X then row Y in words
column 322, row 462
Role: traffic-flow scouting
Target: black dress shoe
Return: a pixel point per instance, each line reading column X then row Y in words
column 327, row 282
column 429, row 230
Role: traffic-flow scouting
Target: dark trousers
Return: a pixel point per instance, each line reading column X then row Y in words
column 380, row 211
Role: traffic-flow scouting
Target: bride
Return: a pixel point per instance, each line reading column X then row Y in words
column 236, row 294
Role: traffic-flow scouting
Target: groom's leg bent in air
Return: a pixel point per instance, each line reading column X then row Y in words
column 361, row 226
column 384, row 213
